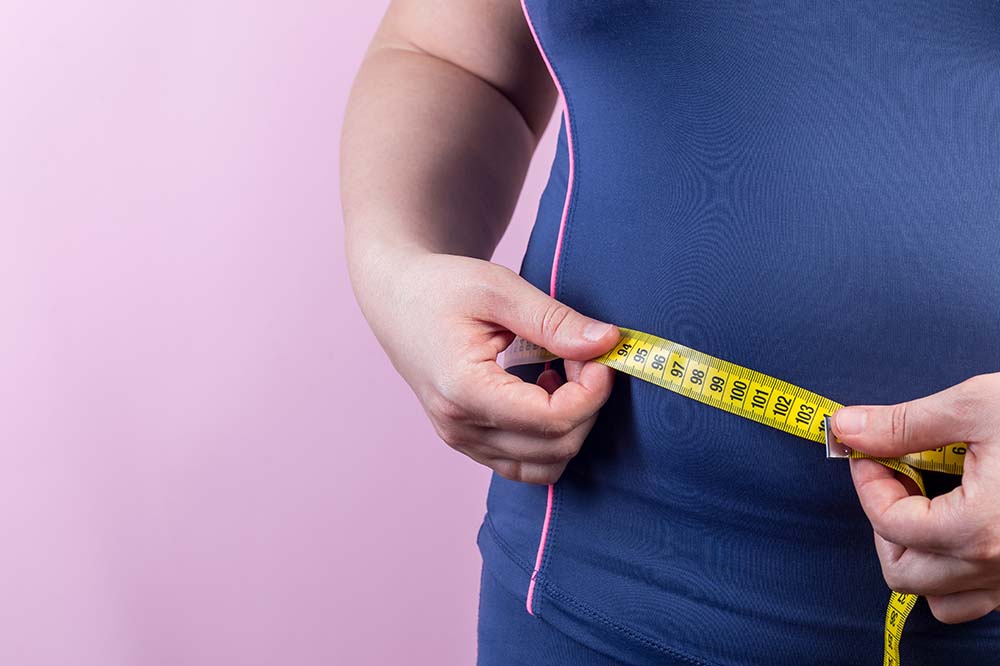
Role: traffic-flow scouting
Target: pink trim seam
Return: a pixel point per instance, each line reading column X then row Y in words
column 552, row 283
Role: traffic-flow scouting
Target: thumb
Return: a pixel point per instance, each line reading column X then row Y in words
column 908, row 427
column 536, row 317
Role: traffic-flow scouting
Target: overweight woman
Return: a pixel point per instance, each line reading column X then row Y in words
column 810, row 190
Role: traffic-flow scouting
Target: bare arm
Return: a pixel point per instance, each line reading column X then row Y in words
column 444, row 116
column 443, row 119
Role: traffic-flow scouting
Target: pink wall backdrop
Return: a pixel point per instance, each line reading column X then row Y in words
column 204, row 456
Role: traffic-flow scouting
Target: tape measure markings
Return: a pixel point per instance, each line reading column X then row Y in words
column 896, row 613
column 688, row 372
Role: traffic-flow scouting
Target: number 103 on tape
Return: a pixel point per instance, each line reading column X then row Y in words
column 762, row 398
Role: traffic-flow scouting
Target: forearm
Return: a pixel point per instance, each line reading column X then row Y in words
column 433, row 159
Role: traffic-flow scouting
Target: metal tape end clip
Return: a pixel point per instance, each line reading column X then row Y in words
column 834, row 447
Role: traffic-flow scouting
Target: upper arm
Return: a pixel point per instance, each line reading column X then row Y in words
column 490, row 39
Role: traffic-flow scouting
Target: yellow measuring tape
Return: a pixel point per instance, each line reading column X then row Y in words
column 761, row 398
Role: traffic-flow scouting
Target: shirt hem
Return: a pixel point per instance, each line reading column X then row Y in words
column 571, row 616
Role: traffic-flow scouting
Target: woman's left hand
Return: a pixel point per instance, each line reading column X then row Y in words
column 946, row 548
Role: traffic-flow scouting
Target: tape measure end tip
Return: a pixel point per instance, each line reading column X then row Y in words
column 834, row 448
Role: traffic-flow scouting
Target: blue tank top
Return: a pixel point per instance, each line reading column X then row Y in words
column 811, row 190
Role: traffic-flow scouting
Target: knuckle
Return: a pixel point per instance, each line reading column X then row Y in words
column 555, row 453
column 880, row 525
column 508, row 469
column 444, row 409
column 448, row 418
column 943, row 612
column 937, row 610
column 893, row 577
column 566, row 450
column 448, row 434
column 516, row 470
column 542, row 474
column 899, row 422
column 557, row 428
column 553, row 317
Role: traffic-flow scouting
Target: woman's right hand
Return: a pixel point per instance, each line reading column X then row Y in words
column 444, row 319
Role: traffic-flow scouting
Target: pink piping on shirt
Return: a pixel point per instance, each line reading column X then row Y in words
column 552, row 283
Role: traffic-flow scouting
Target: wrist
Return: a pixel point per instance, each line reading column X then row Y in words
column 375, row 265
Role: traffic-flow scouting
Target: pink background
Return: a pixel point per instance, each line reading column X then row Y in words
column 205, row 457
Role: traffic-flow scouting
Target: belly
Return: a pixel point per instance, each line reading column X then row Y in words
column 824, row 209
column 873, row 288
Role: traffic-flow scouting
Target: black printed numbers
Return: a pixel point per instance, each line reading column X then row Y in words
column 822, row 423
column 759, row 400
column 805, row 414
column 739, row 391
column 782, row 406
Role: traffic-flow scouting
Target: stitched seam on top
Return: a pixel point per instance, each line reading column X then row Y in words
column 562, row 245
column 507, row 548
column 558, row 593
column 574, row 146
column 553, row 529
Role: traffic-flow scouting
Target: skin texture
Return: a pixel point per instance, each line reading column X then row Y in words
column 443, row 119
column 946, row 548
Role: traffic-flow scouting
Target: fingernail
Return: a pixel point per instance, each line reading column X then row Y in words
column 595, row 330
column 851, row 420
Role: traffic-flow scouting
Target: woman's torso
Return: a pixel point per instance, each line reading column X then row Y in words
column 811, row 190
